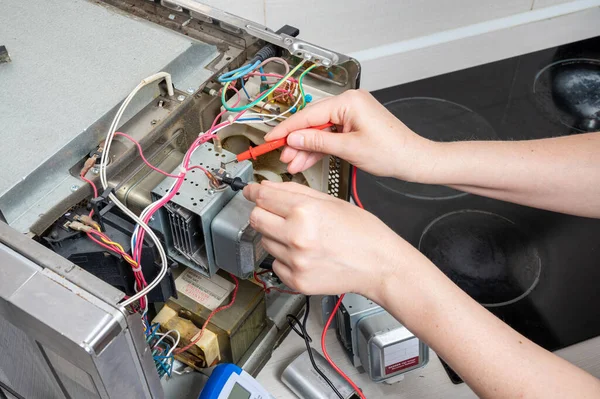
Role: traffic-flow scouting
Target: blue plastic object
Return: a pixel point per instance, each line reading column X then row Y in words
column 308, row 98
column 293, row 110
column 217, row 380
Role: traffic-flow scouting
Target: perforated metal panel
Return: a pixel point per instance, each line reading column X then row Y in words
column 335, row 177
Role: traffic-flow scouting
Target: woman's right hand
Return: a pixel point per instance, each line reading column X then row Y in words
column 369, row 137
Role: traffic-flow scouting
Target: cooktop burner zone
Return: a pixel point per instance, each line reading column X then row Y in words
column 538, row 271
column 485, row 254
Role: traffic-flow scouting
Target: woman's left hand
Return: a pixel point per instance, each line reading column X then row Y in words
column 323, row 245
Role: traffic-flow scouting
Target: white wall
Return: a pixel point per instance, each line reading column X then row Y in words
column 403, row 40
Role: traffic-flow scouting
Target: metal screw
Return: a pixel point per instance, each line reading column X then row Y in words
column 153, row 122
column 180, row 97
column 74, row 187
column 211, row 191
column 191, row 90
column 326, row 62
column 288, row 41
column 95, row 170
column 161, row 103
column 227, row 174
column 307, row 56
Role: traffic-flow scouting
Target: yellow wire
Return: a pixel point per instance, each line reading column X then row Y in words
column 117, row 245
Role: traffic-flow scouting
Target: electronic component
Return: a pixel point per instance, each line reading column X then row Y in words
column 301, row 379
column 235, row 329
column 228, row 381
column 186, row 220
column 237, row 245
column 65, row 238
column 376, row 342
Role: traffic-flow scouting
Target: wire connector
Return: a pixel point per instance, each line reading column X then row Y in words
column 78, row 226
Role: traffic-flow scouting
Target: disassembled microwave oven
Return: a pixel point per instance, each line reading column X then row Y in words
column 73, row 263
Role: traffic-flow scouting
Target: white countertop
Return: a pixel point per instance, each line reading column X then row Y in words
column 429, row 382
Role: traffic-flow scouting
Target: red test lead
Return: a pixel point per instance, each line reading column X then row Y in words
column 255, row 152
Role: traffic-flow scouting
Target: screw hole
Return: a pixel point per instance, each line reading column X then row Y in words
column 223, row 155
column 201, row 200
column 350, row 307
column 167, row 190
column 195, row 204
column 206, row 189
column 177, row 193
column 194, row 171
column 228, row 59
column 196, row 184
column 210, row 149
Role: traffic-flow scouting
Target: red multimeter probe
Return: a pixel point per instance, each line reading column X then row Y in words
column 255, row 152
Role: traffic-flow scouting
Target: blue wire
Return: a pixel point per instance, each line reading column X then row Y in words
column 250, row 119
column 238, row 73
column 263, row 78
column 244, row 88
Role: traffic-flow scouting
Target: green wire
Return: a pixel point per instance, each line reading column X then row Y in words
column 302, row 87
column 255, row 102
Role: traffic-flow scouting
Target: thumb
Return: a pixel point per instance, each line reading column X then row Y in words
column 319, row 141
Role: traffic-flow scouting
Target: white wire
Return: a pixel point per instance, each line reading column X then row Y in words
column 175, row 341
column 103, row 180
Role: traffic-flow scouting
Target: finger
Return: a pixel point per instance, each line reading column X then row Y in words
column 298, row 162
column 314, row 140
column 318, row 114
column 267, row 223
column 296, row 188
column 275, row 248
column 313, row 158
column 284, row 272
column 288, row 154
column 307, row 162
column 272, row 199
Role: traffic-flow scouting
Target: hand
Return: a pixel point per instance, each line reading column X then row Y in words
column 322, row 245
column 371, row 137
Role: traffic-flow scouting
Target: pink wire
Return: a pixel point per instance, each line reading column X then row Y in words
column 139, row 147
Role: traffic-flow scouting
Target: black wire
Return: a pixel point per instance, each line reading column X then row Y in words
column 293, row 322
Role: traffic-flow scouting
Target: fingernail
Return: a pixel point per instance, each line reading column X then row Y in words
column 296, row 140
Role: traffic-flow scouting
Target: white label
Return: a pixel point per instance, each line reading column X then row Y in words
column 209, row 293
column 401, row 356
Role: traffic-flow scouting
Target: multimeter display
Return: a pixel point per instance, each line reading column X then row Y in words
column 238, row 392
column 229, row 381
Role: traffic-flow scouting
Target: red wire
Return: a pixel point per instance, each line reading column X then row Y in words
column 210, row 316
column 354, row 190
column 139, row 147
column 337, row 306
column 110, row 248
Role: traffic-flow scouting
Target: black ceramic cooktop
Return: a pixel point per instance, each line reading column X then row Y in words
column 538, row 271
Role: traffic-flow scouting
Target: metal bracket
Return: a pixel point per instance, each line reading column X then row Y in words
column 295, row 46
column 327, row 305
